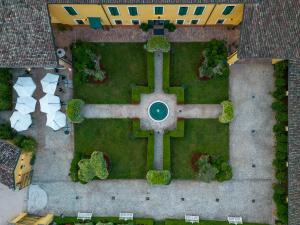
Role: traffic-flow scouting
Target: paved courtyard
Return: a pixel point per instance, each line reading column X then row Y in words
column 248, row 194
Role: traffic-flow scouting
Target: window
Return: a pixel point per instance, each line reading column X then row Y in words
column 114, row 11
column 118, row 22
column 183, row 10
column 132, row 11
column 158, row 10
column 220, row 21
column 135, row 22
column 70, row 10
column 199, row 10
column 194, row 22
column 179, row 22
column 79, row 21
column 228, row 9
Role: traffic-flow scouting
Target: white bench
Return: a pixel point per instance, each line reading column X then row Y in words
column 126, row 216
column 234, row 220
column 84, row 216
column 191, row 219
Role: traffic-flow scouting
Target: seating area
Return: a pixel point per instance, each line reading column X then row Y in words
column 50, row 104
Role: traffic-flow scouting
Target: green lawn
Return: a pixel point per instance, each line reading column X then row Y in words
column 126, row 66
column 204, row 136
column 185, row 61
column 128, row 155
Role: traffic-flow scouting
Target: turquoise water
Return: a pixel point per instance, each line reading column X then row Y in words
column 158, row 111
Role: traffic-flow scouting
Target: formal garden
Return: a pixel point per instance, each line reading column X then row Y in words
column 106, row 73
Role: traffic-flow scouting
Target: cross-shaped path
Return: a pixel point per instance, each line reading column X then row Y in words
column 190, row 111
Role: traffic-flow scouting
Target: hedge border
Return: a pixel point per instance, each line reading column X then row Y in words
column 70, row 219
column 139, row 133
column 179, row 132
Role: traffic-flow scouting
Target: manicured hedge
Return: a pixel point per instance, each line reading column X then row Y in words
column 178, row 91
column 138, row 90
column 74, row 108
column 281, row 148
column 139, row 133
column 227, row 112
column 203, row 222
column 71, row 220
column 158, row 177
column 5, row 89
column 158, row 43
column 179, row 132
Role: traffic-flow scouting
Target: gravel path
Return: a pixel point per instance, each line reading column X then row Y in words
column 158, row 150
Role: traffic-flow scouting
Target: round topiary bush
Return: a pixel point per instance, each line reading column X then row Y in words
column 158, row 43
column 227, row 112
column 74, row 108
column 162, row 177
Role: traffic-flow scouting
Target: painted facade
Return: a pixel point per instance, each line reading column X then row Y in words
column 23, row 170
column 180, row 14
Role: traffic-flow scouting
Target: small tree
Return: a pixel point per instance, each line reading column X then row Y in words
column 158, row 43
column 74, row 108
column 207, row 172
column 97, row 73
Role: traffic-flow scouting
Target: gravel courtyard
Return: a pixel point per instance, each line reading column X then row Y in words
column 248, row 194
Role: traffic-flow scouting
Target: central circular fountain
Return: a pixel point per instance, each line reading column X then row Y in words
column 158, row 111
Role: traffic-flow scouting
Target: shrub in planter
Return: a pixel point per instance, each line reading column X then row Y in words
column 207, row 172
column 158, row 43
column 215, row 60
column 170, row 26
column 227, row 112
column 279, row 164
column 145, row 27
column 279, row 128
column 6, row 132
column 74, row 108
column 280, row 82
column 162, row 177
column 281, row 176
column 281, row 147
column 282, row 138
column 93, row 167
column 279, row 106
column 281, row 117
column 281, row 69
column 281, row 155
column 279, row 94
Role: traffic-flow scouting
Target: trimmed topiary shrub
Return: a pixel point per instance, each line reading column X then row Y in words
column 158, row 44
column 170, row 26
column 279, row 106
column 74, row 108
column 145, row 27
column 93, row 167
column 227, row 112
column 155, row 177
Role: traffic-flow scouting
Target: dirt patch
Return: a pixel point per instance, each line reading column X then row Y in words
column 194, row 160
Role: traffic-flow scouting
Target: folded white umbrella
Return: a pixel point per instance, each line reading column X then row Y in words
column 25, row 86
column 49, row 83
column 56, row 120
column 19, row 121
column 50, row 104
column 25, row 105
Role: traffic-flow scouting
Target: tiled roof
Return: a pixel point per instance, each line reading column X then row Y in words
column 9, row 156
column 151, row 1
column 25, row 34
column 271, row 30
column 294, row 143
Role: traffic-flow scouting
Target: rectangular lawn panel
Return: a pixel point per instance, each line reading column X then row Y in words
column 127, row 154
column 125, row 65
column 200, row 136
column 185, row 61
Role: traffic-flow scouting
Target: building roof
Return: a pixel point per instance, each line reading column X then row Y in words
column 9, row 156
column 25, row 34
column 151, row 1
column 294, row 142
column 271, row 30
